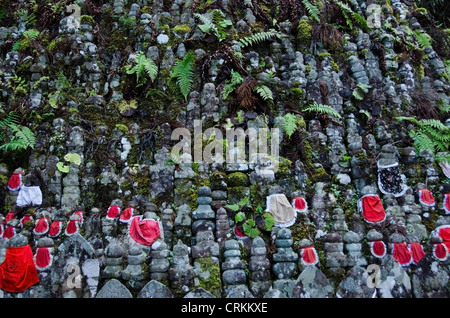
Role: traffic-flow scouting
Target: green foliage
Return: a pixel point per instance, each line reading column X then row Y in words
column 322, row 109
column 348, row 13
column 144, row 68
column 304, row 32
column 250, row 228
column 313, row 11
column 431, row 135
column 236, row 79
column 423, row 39
column 184, row 74
column 215, row 23
column 70, row 158
column 361, row 90
column 259, row 37
column 264, row 92
column 289, row 124
column 20, row 137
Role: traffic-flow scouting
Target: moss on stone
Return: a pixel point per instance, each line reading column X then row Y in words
column 304, row 32
column 214, row 282
column 237, row 179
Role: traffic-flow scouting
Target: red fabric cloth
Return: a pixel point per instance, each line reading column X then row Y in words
column 447, row 202
column 378, row 248
column 372, row 209
column 15, row 181
column 18, row 271
column 126, row 215
column 10, row 231
column 41, row 226
column 26, row 218
column 401, row 253
column 42, row 259
column 299, row 204
column 113, row 212
column 416, row 251
column 72, row 227
column 309, row 255
column 9, row 216
column 55, row 228
column 426, row 197
column 144, row 231
column 238, row 233
column 440, row 251
column 81, row 215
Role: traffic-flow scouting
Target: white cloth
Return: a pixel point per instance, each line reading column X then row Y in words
column 29, row 196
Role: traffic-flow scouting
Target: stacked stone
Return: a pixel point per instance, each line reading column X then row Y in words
column 182, row 226
column 114, row 256
column 259, row 266
column 181, row 273
column 161, row 174
column 353, row 249
column 71, row 184
column 206, row 265
column 159, row 265
column 359, row 165
column 223, row 232
column 336, row 260
column 219, row 187
column 393, row 209
column 109, row 225
column 285, row 259
column 233, row 268
column 209, row 102
column 167, row 221
column 432, row 178
column 373, row 236
column 133, row 274
column 318, row 206
column 339, row 224
column 413, row 213
column 45, row 280
column 204, row 215
column 183, row 180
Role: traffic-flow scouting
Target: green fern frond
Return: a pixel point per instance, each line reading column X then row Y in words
column 25, row 135
column 423, row 39
column 236, row 79
column 259, row 37
column 289, row 124
column 207, row 25
column 313, row 11
column 434, row 123
column 322, row 109
column 264, row 92
column 183, row 72
column 31, row 34
column 145, row 67
column 11, row 119
column 421, row 141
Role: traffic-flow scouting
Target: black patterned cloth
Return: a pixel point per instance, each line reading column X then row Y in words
column 391, row 180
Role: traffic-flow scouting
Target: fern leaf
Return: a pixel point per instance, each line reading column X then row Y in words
column 11, row 119
column 207, row 25
column 24, row 135
column 264, row 92
column 423, row 39
column 144, row 67
column 313, row 11
column 183, row 72
column 322, row 109
column 411, row 119
column 421, row 141
column 259, row 37
column 236, row 79
column 289, row 124
column 435, row 124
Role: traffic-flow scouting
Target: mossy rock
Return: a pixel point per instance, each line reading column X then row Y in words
column 320, row 175
column 237, row 179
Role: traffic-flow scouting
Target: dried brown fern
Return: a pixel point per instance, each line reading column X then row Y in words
column 245, row 95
